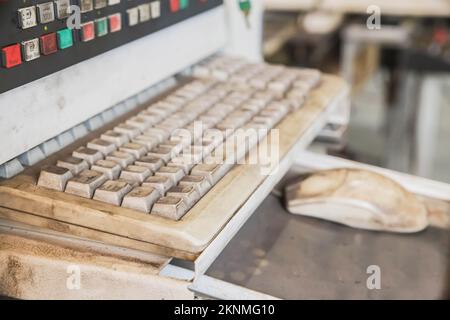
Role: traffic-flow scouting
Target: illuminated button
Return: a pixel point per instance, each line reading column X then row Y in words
column 11, row 56
column 155, row 9
column 27, row 17
column 101, row 27
column 174, row 5
column 62, row 8
column 46, row 12
column 31, row 49
column 113, row 2
column 144, row 12
column 133, row 16
column 86, row 5
column 87, row 31
column 48, row 44
column 100, row 4
column 65, row 38
column 184, row 4
column 115, row 22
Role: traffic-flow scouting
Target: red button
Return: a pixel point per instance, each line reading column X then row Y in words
column 11, row 56
column 48, row 44
column 87, row 31
column 115, row 22
column 174, row 5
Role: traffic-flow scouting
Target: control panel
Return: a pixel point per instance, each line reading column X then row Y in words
column 40, row 37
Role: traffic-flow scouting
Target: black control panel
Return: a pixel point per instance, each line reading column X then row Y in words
column 40, row 37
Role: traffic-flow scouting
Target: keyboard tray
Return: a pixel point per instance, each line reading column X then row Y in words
column 185, row 238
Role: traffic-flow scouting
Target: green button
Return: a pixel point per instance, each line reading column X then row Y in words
column 101, row 27
column 184, row 4
column 65, row 39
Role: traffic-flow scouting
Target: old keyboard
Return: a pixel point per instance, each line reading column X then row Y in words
column 142, row 177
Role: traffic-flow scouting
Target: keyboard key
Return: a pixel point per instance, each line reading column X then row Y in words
column 115, row 137
column 90, row 155
column 141, row 123
column 112, row 192
column 181, row 162
column 136, row 149
column 170, row 207
column 75, row 165
column 130, row 131
column 212, row 172
column 200, row 183
column 160, row 134
column 160, row 183
column 124, row 159
column 54, row 177
column 110, row 168
column 85, row 183
column 188, row 193
column 141, row 199
column 135, row 173
column 105, row 147
column 174, row 173
column 153, row 163
column 149, row 142
column 164, row 154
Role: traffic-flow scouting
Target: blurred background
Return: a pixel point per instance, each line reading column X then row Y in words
column 396, row 55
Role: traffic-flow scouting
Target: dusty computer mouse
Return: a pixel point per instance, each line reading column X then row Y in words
column 357, row 198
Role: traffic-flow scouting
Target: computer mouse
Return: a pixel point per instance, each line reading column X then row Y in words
column 357, row 198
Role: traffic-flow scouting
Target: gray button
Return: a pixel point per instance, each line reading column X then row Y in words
column 86, row 5
column 144, row 12
column 113, row 2
column 46, row 12
column 62, row 8
column 31, row 49
column 156, row 9
column 100, row 4
column 133, row 16
column 27, row 17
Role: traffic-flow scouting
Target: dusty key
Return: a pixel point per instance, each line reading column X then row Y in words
column 75, row 165
column 136, row 149
column 112, row 192
column 159, row 134
column 160, row 183
column 170, row 207
column 176, row 147
column 174, row 173
column 141, row 199
column 132, row 183
column 105, row 147
column 54, row 177
column 181, row 162
column 164, row 154
column 115, row 137
column 148, row 141
column 85, row 183
column 188, row 193
column 212, row 172
column 130, row 131
column 135, row 173
column 88, row 154
column 110, row 168
column 139, row 122
column 200, row 183
column 124, row 159
column 153, row 163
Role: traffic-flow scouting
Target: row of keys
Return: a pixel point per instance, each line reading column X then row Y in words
column 144, row 13
column 59, row 9
column 52, row 42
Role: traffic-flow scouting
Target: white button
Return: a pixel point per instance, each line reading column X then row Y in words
column 46, row 12
column 100, row 4
column 156, row 9
column 86, row 5
column 113, row 2
column 144, row 12
column 27, row 17
column 31, row 49
column 133, row 16
column 62, row 8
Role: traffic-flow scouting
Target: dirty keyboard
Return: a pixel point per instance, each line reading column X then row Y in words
column 165, row 158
